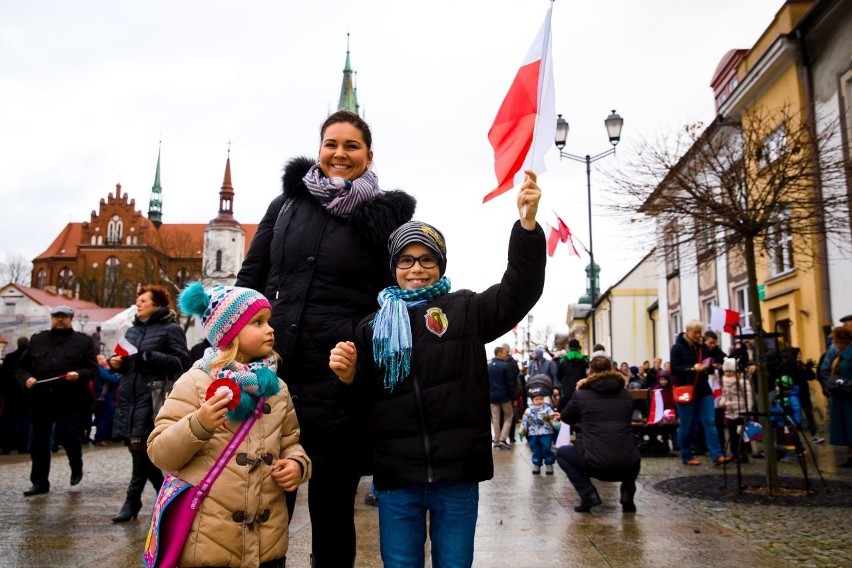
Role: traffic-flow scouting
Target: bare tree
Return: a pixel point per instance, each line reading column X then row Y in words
column 752, row 185
column 17, row 269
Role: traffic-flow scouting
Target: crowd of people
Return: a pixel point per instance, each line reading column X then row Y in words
column 342, row 325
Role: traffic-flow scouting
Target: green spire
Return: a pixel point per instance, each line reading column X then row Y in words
column 155, row 205
column 348, row 92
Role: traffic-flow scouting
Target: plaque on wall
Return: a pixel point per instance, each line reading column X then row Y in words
column 707, row 277
column 674, row 291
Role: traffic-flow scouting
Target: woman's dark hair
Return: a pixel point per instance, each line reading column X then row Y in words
column 600, row 364
column 354, row 120
column 159, row 294
column 710, row 334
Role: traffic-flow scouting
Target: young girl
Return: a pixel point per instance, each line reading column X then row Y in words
column 737, row 394
column 243, row 521
column 422, row 359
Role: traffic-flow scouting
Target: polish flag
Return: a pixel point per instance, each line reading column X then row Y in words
column 552, row 241
column 565, row 235
column 125, row 348
column 525, row 124
column 726, row 320
column 655, row 414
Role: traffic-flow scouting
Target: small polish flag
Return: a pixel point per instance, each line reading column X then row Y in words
column 552, row 241
column 125, row 348
column 725, row 320
column 657, row 410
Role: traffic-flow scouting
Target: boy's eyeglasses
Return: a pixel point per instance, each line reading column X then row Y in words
column 406, row 261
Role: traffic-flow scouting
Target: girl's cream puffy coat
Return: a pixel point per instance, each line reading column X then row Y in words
column 221, row 533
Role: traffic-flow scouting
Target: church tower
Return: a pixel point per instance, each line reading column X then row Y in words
column 155, row 205
column 348, row 90
column 224, row 239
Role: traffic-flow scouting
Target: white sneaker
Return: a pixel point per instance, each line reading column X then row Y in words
column 548, row 469
column 536, row 469
column 817, row 439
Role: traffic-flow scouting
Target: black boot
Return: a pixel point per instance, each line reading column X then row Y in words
column 130, row 510
column 587, row 501
column 628, row 491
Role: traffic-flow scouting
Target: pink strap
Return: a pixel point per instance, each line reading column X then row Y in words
column 204, row 485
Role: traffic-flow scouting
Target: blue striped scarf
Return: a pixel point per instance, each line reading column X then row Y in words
column 392, row 328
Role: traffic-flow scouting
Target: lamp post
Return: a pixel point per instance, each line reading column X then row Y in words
column 613, row 124
column 529, row 337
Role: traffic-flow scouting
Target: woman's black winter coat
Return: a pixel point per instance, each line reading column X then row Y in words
column 162, row 356
column 603, row 409
column 322, row 275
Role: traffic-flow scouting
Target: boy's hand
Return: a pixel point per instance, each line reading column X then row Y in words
column 211, row 415
column 342, row 361
column 287, row 474
column 528, row 198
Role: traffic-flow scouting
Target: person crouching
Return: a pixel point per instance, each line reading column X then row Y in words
column 605, row 447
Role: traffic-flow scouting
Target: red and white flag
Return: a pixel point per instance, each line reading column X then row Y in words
column 725, row 320
column 565, row 235
column 524, row 127
column 125, row 348
column 655, row 414
column 552, row 241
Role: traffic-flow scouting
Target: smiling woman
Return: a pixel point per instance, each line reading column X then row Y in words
column 320, row 257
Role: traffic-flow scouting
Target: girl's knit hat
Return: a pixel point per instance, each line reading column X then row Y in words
column 224, row 310
column 418, row 232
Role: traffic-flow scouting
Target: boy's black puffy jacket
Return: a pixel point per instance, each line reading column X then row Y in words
column 435, row 425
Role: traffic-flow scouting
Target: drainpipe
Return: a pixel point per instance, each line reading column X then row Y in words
column 822, row 247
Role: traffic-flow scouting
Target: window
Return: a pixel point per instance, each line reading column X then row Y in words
column 218, row 261
column 181, row 277
column 128, row 298
column 670, row 249
column 66, row 279
column 707, row 308
column 774, row 146
column 676, row 326
column 741, row 298
column 705, row 237
column 114, row 230
column 780, row 245
column 41, row 279
column 111, row 269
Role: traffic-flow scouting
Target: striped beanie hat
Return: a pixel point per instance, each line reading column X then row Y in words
column 223, row 310
column 417, row 232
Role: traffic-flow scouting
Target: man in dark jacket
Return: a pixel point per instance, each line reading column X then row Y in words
column 605, row 447
column 15, row 423
column 688, row 355
column 57, row 368
column 501, row 389
column 572, row 367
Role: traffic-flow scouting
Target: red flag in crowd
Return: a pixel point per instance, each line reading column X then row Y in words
column 125, row 348
column 565, row 235
column 526, row 118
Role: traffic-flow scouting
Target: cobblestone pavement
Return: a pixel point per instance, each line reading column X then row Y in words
column 523, row 519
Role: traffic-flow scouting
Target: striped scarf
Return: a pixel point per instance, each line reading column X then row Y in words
column 255, row 379
column 392, row 328
column 341, row 196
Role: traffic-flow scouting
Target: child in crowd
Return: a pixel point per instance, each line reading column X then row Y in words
column 737, row 395
column 422, row 359
column 786, row 414
column 243, row 520
column 537, row 425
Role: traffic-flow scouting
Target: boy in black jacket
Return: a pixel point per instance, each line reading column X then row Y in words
column 422, row 359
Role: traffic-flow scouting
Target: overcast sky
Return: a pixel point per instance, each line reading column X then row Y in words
column 88, row 88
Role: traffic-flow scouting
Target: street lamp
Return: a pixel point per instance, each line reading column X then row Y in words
column 613, row 124
column 529, row 337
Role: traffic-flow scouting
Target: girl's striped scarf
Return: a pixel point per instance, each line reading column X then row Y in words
column 340, row 196
column 255, row 379
column 392, row 328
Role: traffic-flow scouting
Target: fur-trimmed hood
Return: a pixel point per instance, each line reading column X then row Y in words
column 373, row 220
column 605, row 383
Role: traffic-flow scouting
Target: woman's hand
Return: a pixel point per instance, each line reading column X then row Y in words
column 287, row 474
column 211, row 415
column 115, row 361
column 528, row 198
column 342, row 361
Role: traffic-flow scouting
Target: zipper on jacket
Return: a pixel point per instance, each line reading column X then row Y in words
column 427, row 443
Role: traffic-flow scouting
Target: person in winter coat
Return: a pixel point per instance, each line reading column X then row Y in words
column 243, row 520
column 687, row 355
column 605, row 447
column 421, row 358
column 737, row 395
column 501, row 388
column 106, row 383
column 541, row 366
column 161, row 356
column 55, row 370
column 571, row 369
column 320, row 257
